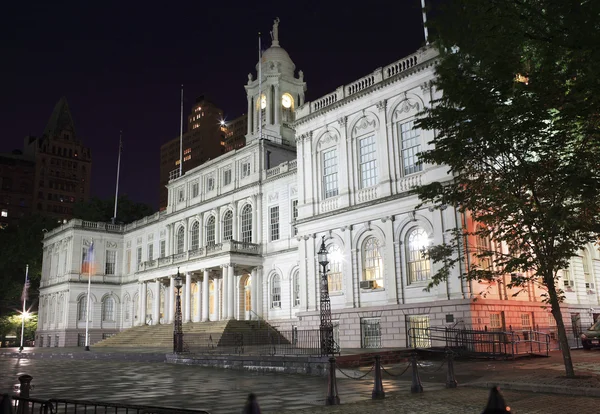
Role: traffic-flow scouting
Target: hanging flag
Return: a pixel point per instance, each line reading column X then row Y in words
column 88, row 260
column 25, row 294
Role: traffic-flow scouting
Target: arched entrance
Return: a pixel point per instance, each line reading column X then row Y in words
column 245, row 297
column 212, row 315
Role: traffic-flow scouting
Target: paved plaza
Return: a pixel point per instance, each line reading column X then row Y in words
column 224, row 391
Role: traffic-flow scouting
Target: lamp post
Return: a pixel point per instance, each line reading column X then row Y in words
column 177, row 328
column 326, row 327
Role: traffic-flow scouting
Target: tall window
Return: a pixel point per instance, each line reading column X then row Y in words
column 139, row 256
column 111, row 260
column 372, row 261
column 245, row 169
column 330, row 173
column 195, row 190
column 210, row 231
column 587, row 274
column 210, row 183
column 127, row 308
column 411, row 146
column 483, row 246
column 295, row 216
column 108, row 309
column 246, row 224
column 163, row 248
column 195, row 236
column 368, row 162
column 274, row 219
column 128, row 261
column 228, row 225
column 276, row 292
column 296, row 292
column 334, row 277
column 227, row 176
column 419, row 269
column 150, row 251
column 82, row 308
column 180, row 236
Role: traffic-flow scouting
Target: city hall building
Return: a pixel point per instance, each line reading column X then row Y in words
column 244, row 229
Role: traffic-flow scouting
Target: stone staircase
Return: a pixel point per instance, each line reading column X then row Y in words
column 161, row 336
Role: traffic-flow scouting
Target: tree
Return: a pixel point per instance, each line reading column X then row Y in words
column 102, row 210
column 517, row 126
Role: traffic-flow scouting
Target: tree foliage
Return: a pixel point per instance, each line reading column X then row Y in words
column 518, row 127
column 102, row 210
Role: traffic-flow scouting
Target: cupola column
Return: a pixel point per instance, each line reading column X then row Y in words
column 277, row 105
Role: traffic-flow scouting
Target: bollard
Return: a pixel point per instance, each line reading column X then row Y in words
column 416, row 386
column 378, row 393
column 496, row 403
column 450, row 378
column 332, row 394
column 25, row 386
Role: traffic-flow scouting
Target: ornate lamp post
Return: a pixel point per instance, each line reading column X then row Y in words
column 177, row 328
column 326, row 327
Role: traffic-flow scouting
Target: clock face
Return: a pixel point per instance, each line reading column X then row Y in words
column 263, row 102
column 286, row 101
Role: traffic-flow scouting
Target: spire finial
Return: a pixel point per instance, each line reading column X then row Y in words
column 275, row 32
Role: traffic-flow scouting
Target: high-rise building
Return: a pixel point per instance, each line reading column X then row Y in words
column 16, row 187
column 63, row 165
column 235, row 132
column 203, row 140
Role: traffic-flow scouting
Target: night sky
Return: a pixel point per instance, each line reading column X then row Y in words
column 120, row 66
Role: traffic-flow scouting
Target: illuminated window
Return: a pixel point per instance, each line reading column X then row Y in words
column 4, row 213
column 411, row 146
column 228, row 226
column 334, row 277
column 330, row 179
column 187, row 158
column 368, row 162
column 372, row 261
column 187, row 151
column 195, row 236
column 246, row 224
column 419, row 268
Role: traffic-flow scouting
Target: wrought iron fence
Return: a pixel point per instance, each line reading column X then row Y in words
column 267, row 342
column 28, row 405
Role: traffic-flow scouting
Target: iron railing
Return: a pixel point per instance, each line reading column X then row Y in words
column 481, row 343
column 267, row 342
column 23, row 405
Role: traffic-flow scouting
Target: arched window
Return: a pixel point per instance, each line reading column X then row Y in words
column 246, row 222
column 334, row 277
column 127, row 308
column 180, row 236
column 108, row 309
column 195, row 236
column 296, row 290
column 419, row 268
column 276, row 292
column 82, row 308
column 372, row 261
column 228, row 226
column 210, row 231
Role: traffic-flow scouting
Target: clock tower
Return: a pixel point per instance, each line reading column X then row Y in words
column 272, row 100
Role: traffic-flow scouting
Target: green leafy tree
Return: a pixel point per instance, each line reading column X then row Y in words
column 102, row 210
column 517, row 125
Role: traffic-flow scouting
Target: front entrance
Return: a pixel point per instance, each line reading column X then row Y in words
column 245, row 298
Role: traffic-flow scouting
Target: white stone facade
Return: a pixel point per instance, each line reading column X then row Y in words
column 244, row 229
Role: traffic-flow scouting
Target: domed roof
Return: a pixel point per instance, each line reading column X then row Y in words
column 276, row 54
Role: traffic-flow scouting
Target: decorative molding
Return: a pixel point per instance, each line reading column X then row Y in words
column 139, row 240
column 406, row 105
column 294, row 190
column 86, row 242
column 111, row 245
column 327, row 138
column 412, row 215
column 342, row 121
column 364, row 123
column 129, row 244
column 273, row 197
column 163, row 233
column 381, row 105
column 151, row 237
column 426, row 86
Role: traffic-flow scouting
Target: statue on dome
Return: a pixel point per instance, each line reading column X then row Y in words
column 249, row 78
column 275, row 32
column 301, row 75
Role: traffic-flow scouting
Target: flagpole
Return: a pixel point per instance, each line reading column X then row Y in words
column 25, row 288
column 87, row 311
column 425, row 22
column 114, row 219
column 181, row 136
column 259, row 89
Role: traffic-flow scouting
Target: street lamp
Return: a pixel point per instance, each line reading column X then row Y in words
column 177, row 328
column 326, row 327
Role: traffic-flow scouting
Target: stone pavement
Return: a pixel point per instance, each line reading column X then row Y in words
column 224, row 391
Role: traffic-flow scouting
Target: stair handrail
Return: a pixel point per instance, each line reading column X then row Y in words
column 257, row 316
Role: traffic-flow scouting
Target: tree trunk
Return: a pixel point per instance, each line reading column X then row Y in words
column 562, row 334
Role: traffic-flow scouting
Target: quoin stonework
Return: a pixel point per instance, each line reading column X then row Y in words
column 244, row 228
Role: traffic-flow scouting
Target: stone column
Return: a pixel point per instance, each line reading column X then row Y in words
column 230, row 292
column 259, row 291
column 188, row 297
column 171, row 299
column 143, row 303
column 156, row 304
column 249, row 112
column 205, row 297
column 277, row 104
column 217, row 301
column 197, row 317
column 225, row 279
column 139, row 305
column 253, row 292
column 257, row 221
column 235, row 233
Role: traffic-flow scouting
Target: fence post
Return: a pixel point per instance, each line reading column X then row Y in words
column 24, row 388
column 450, row 378
column 416, row 386
column 378, row 392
